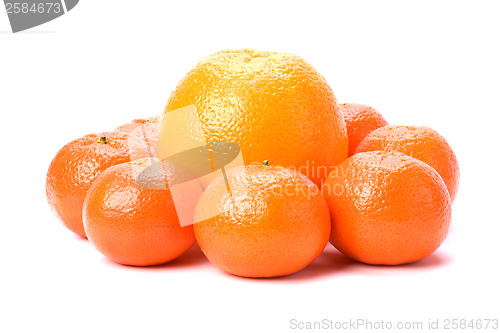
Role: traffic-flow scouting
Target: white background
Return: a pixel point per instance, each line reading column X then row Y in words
column 433, row 63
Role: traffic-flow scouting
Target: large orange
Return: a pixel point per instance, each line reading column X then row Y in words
column 274, row 105
column 133, row 222
column 387, row 208
column 420, row 142
column 273, row 222
column 360, row 120
column 146, row 129
column 78, row 163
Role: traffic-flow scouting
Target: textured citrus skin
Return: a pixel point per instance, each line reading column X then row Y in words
column 133, row 225
column 78, row 163
column 360, row 120
column 275, row 106
column 274, row 223
column 422, row 143
column 146, row 129
column 387, row 208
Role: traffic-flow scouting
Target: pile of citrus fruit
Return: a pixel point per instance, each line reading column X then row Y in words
column 314, row 171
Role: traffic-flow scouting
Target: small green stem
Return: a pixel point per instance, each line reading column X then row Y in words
column 102, row 139
column 265, row 163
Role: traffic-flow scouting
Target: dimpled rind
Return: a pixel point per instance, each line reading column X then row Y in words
column 134, row 225
column 146, row 129
column 275, row 106
column 387, row 208
column 274, row 222
column 420, row 142
column 76, row 166
column 360, row 120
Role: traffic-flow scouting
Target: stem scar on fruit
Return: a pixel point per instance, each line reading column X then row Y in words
column 266, row 163
column 102, row 139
